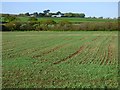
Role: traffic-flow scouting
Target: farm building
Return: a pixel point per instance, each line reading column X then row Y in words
column 59, row 15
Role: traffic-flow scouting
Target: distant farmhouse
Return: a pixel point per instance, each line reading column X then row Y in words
column 58, row 15
column 32, row 15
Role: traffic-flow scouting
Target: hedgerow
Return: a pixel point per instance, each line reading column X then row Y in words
column 63, row 25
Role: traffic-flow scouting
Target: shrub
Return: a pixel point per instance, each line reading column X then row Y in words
column 47, row 25
column 23, row 27
column 4, row 28
column 17, row 25
column 26, row 27
column 64, row 22
column 64, row 25
column 10, row 26
column 39, row 28
column 98, row 26
column 33, row 22
column 48, row 22
column 10, row 18
column 35, row 25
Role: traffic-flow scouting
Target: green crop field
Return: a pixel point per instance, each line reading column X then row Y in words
column 71, row 19
column 60, row 59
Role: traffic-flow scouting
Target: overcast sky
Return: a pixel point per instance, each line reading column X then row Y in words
column 97, row 9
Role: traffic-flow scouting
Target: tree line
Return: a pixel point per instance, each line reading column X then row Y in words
column 47, row 13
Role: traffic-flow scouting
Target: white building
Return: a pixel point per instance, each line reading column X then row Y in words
column 59, row 15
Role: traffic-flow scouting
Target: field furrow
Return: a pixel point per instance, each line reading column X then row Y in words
column 52, row 50
column 72, row 55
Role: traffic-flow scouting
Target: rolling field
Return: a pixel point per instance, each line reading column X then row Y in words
column 76, row 19
column 71, row 19
column 60, row 59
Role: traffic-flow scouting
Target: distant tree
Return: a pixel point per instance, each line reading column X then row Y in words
column 82, row 15
column 107, row 18
column 94, row 17
column 5, row 15
column 58, row 13
column 114, row 18
column 69, row 14
column 88, row 17
column 46, row 12
column 76, row 15
column 35, row 14
column 50, row 14
column 27, row 14
column 21, row 14
column 41, row 14
column 100, row 17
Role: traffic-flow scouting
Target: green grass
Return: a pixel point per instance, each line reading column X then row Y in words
column 60, row 59
column 72, row 19
column 24, row 19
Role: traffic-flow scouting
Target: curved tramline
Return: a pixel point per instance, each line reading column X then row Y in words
column 96, row 38
column 99, row 54
column 22, row 50
column 86, row 58
column 112, row 50
column 49, row 51
column 53, row 58
column 81, row 55
column 65, row 51
column 72, row 55
column 79, row 51
column 114, row 61
column 107, row 57
column 106, row 60
column 103, row 54
column 87, row 55
column 55, row 48
column 103, row 57
column 96, row 50
column 110, row 53
column 54, row 45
